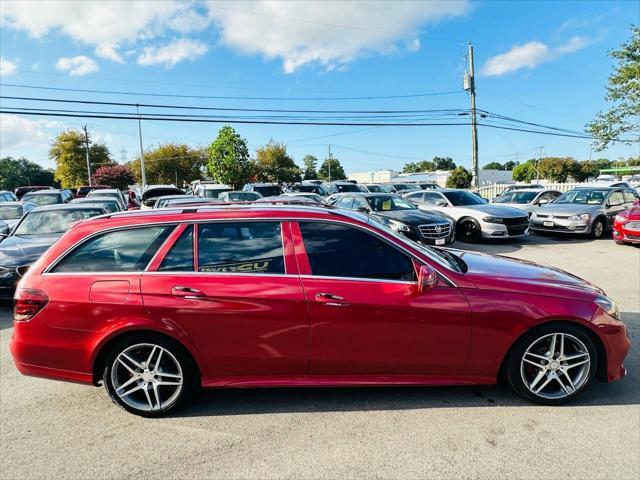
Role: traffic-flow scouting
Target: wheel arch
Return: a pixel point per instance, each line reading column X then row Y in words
column 108, row 344
column 601, row 367
column 605, row 223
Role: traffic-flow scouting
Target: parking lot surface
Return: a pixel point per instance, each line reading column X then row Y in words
column 58, row 430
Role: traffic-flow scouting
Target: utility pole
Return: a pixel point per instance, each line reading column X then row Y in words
column 470, row 86
column 538, row 164
column 329, row 162
column 142, row 172
column 123, row 155
column 86, row 152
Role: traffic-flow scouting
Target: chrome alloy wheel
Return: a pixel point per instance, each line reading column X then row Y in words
column 147, row 377
column 555, row 366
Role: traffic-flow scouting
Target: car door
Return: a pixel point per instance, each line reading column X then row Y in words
column 367, row 316
column 614, row 205
column 233, row 290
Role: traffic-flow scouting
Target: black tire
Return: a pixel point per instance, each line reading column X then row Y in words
column 598, row 228
column 514, row 372
column 468, row 230
column 619, row 242
column 173, row 351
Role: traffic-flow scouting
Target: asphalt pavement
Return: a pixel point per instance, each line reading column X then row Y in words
column 60, row 430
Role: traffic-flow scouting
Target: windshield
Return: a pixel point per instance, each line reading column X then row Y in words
column 516, row 197
column 102, row 193
column 308, row 189
column 46, row 223
column 583, row 196
column 111, row 205
column 42, row 199
column 461, row 198
column 405, row 186
column 388, row 203
column 10, row 212
column 243, row 196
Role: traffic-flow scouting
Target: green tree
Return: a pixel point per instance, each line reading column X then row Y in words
column 623, row 91
column 419, row 167
column 337, row 172
column 510, row 165
column 525, row 172
column 444, row 163
column 273, row 164
column 228, row 158
column 16, row 172
column 115, row 176
column 310, row 171
column 69, row 152
column 557, row 169
column 170, row 163
column 460, row 177
column 493, row 166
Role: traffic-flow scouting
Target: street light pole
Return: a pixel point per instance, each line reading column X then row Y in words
column 142, row 172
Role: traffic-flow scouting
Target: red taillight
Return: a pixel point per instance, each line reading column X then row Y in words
column 28, row 302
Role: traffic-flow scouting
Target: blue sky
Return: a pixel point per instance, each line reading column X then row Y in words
column 544, row 62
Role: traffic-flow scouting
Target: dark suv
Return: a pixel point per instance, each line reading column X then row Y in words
column 402, row 216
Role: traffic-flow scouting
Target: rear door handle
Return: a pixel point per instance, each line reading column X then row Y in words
column 187, row 292
column 331, row 300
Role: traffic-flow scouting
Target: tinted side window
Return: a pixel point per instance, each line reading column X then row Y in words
column 180, row 256
column 630, row 196
column 119, row 251
column 416, row 197
column 432, row 198
column 616, row 198
column 240, row 247
column 340, row 251
column 345, row 202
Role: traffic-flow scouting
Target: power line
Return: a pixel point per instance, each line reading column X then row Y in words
column 226, row 97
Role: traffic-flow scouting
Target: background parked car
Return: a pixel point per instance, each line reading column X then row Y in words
column 109, row 192
column 211, row 190
column 306, row 187
column 190, row 202
column 376, row 188
column 239, row 196
column 402, row 216
column 264, row 189
column 7, row 196
column 36, row 232
column 587, row 211
column 161, row 202
column 4, row 230
column 626, row 226
column 311, row 196
column 527, row 199
column 48, row 197
column 110, row 204
column 20, row 191
column 153, row 192
column 475, row 219
column 85, row 189
column 399, row 187
column 343, row 187
column 12, row 212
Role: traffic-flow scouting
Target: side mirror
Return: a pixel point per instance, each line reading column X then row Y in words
column 22, row 270
column 441, row 203
column 427, row 278
column 363, row 209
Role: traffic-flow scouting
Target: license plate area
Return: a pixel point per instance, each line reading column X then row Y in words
column 439, row 241
column 548, row 224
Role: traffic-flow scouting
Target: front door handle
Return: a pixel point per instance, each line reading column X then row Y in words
column 187, row 292
column 331, row 300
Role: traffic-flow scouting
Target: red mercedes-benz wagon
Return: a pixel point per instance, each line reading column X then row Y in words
column 154, row 304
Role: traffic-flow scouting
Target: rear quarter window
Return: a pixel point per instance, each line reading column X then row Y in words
column 127, row 250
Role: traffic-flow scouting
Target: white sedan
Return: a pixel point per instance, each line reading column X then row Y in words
column 475, row 218
column 527, row 199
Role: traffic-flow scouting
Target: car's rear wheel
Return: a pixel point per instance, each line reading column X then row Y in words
column 597, row 229
column 552, row 364
column 469, row 230
column 149, row 375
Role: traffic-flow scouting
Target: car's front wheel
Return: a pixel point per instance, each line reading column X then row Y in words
column 469, row 230
column 149, row 375
column 552, row 364
column 597, row 230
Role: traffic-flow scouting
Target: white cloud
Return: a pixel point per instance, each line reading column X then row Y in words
column 327, row 33
column 77, row 66
column 109, row 51
column 530, row 55
column 103, row 25
column 7, row 67
column 172, row 53
column 20, row 133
